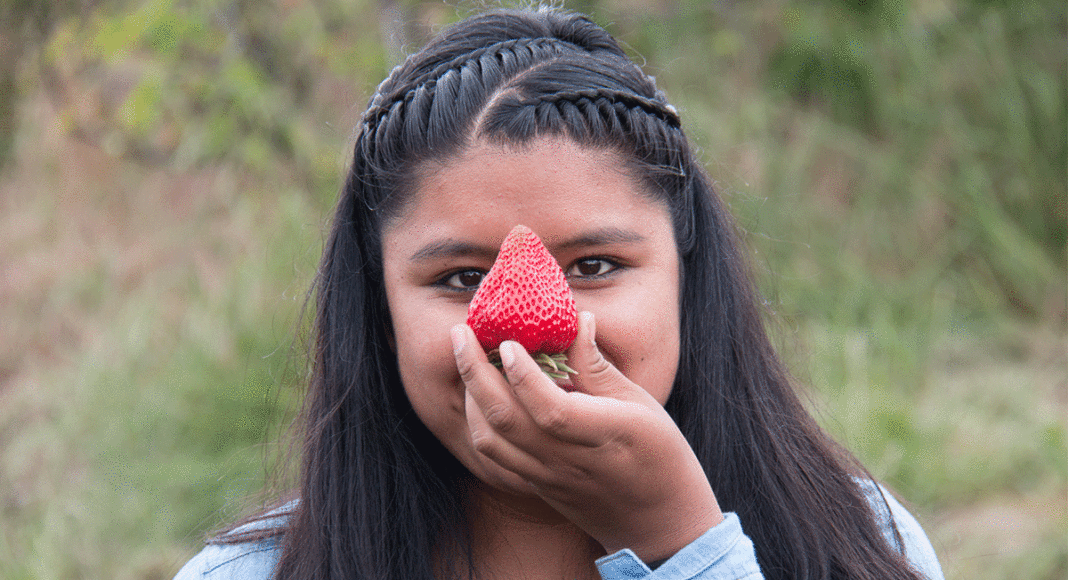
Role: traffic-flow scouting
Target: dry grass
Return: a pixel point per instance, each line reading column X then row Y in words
column 132, row 296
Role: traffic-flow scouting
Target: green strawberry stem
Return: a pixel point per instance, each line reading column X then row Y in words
column 553, row 365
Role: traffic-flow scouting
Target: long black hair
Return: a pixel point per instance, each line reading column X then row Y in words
column 379, row 497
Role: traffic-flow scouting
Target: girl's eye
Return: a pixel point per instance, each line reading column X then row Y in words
column 464, row 280
column 590, row 267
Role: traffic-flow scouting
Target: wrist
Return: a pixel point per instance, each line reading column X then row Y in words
column 666, row 537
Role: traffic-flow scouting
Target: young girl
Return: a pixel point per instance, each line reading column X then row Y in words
column 680, row 449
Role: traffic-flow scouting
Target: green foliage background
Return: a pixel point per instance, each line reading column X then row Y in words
column 898, row 168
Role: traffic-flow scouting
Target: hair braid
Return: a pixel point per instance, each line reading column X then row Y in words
column 391, row 90
column 608, row 115
column 423, row 110
column 630, row 99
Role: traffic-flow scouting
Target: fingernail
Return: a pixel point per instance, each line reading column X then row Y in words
column 507, row 354
column 457, row 335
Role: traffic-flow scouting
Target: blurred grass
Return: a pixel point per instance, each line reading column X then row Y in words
column 897, row 167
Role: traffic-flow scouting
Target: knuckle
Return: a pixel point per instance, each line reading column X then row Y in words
column 522, row 378
column 466, row 369
column 482, row 441
column 600, row 368
column 501, row 417
column 553, row 420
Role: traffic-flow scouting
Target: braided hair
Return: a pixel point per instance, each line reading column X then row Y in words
column 380, row 497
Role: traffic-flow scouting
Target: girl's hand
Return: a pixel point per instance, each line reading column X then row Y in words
column 607, row 456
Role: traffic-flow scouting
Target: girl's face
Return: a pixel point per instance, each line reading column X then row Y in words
column 615, row 245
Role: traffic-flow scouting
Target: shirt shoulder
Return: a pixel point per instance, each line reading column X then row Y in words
column 247, row 561
column 914, row 543
column 251, row 560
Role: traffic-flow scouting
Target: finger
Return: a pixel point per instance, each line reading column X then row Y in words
column 596, row 375
column 568, row 417
column 484, row 383
column 475, row 370
column 469, row 360
column 488, row 442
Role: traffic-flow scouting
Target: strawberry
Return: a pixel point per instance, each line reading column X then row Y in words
column 525, row 297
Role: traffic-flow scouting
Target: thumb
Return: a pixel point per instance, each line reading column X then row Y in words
column 595, row 374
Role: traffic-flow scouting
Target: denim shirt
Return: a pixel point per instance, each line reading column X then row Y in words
column 722, row 553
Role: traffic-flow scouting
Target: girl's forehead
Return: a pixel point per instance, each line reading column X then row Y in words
column 545, row 158
column 554, row 186
column 553, row 181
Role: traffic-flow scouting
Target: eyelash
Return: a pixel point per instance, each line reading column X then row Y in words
column 613, row 266
column 443, row 282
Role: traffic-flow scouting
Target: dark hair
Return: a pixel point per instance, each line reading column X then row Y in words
column 379, row 495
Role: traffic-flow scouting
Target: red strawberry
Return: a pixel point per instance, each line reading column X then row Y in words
column 525, row 297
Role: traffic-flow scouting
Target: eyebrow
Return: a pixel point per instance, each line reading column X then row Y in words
column 453, row 248
column 601, row 237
